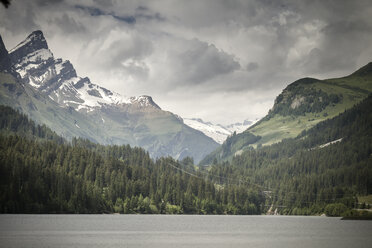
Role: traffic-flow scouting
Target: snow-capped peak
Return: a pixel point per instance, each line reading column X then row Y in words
column 57, row 78
column 144, row 101
column 217, row 132
column 240, row 127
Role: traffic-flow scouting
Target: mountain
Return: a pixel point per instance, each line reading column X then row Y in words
column 5, row 64
column 301, row 105
column 50, row 92
column 217, row 132
column 240, row 127
column 323, row 170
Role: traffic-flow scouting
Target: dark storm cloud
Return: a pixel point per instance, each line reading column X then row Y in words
column 346, row 35
column 145, row 13
column 140, row 12
column 202, row 62
column 99, row 12
column 344, row 42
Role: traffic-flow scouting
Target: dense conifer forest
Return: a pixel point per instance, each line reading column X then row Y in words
column 42, row 173
column 322, row 170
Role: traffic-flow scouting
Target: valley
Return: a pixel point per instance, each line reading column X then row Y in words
column 91, row 150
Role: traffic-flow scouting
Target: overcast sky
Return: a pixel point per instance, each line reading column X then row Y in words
column 222, row 61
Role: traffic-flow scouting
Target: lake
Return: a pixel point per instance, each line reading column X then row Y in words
column 181, row 231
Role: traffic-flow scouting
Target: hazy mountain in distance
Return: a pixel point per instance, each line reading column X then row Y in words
column 217, row 132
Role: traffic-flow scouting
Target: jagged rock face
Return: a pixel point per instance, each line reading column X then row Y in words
column 57, row 78
column 144, row 101
column 5, row 64
column 34, row 42
column 96, row 113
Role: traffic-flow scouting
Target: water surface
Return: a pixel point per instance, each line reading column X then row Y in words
column 181, row 231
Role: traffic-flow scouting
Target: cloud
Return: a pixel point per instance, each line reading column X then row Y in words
column 252, row 66
column 343, row 43
column 99, row 12
column 69, row 24
column 197, row 62
column 200, row 56
column 18, row 18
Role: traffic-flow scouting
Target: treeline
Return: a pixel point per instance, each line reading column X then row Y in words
column 42, row 173
column 304, row 177
column 12, row 121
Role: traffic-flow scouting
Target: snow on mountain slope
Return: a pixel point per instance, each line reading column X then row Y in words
column 37, row 66
column 240, row 127
column 216, row 131
column 53, row 93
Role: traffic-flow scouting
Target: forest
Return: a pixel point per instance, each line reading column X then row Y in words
column 43, row 173
column 323, row 170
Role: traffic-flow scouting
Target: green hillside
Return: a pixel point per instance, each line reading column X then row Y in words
column 327, row 167
column 300, row 106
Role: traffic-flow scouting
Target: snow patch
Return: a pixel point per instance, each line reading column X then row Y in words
column 36, row 57
column 33, row 84
column 143, row 101
column 216, row 132
column 330, row 143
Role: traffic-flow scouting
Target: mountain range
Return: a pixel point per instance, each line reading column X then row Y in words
column 218, row 132
column 50, row 92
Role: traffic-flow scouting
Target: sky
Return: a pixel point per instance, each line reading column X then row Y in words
column 222, row 61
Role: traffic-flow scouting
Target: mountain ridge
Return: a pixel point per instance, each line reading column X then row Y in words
column 217, row 132
column 50, row 91
column 300, row 106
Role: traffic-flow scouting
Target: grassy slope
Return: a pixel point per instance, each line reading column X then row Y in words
column 353, row 89
column 280, row 127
